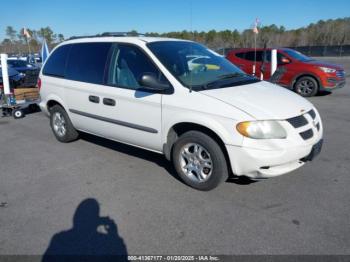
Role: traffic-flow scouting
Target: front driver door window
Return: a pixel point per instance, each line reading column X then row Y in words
column 128, row 64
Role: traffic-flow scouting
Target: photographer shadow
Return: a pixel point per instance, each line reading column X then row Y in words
column 92, row 238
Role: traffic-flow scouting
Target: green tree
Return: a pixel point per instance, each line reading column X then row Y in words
column 47, row 34
column 60, row 38
column 11, row 33
column 133, row 33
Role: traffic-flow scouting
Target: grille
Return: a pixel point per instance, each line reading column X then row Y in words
column 302, row 121
column 307, row 134
column 312, row 113
column 297, row 121
column 340, row 74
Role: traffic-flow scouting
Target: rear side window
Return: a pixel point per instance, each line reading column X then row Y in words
column 87, row 62
column 251, row 55
column 56, row 64
column 241, row 55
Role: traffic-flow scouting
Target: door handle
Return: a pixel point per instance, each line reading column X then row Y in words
column 94, row 99
column 109, row 102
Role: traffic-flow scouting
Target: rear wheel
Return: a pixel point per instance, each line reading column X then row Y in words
column 61, row 125
column 199, row 161
column 306, row 86
column 18, row 113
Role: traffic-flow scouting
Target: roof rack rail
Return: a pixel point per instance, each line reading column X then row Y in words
column 85, row 36
column 106, row 34
column 122, row 34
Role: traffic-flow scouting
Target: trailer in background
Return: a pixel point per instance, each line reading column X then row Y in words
column 14, row 104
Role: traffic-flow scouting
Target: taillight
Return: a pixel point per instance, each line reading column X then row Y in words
column 38, row 84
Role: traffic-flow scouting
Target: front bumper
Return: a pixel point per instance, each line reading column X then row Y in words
column 256, row 163
column 332, row 84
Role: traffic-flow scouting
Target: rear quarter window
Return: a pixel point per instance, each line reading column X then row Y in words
column 55, row 65
column 87, row 62
column 241, row 55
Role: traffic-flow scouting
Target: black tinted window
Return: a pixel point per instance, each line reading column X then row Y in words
column 240, row 55
column 87, row 62
column 251, row 54
column 56, row 64
column 128, row 64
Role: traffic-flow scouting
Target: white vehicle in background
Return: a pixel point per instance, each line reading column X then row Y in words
column 210, row 123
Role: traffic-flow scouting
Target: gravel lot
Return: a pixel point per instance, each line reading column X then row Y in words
column 42, row 182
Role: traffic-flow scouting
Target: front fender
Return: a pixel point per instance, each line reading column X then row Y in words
column 306, row 73
column 224, row 128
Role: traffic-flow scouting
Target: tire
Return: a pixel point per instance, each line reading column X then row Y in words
column 208, row 151
column 18, row 113
column 61, row 125
column 306, row 86
column 33, row 108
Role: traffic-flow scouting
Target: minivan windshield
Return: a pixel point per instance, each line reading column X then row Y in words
column 198, row 67
column 297, row 55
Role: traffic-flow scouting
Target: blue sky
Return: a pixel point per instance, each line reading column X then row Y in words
column 78, row 17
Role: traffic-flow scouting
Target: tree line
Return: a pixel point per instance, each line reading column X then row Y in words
column 15, row 42
column 323, row 33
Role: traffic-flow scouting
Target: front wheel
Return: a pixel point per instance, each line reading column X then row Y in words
column 306, row 86
column 199, row 161
column 61, row 125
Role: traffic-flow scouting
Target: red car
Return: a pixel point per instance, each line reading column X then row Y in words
column 296, row 71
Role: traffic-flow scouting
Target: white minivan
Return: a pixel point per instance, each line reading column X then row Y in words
column 210, row 119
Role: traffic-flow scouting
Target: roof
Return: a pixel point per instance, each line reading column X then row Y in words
column 124, row 39
column 257, row 49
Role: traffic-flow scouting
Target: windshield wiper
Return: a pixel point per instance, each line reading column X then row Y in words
column 222, row 77
column 231, row 75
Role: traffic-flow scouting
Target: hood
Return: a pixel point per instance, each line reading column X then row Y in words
column 12, row 72
column 324, row 64
column 262, row 100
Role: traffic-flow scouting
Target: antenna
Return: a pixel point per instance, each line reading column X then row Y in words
column 191, row 18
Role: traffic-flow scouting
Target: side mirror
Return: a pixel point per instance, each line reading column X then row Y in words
column 149, row 81
column 285, row 60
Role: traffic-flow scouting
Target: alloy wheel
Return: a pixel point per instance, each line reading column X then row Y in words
column 196, row 162
column 306, row 87
column 59, row 124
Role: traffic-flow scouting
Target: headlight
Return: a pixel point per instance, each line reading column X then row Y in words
column 327, row 69
column 22, row 74
column 267, row 129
